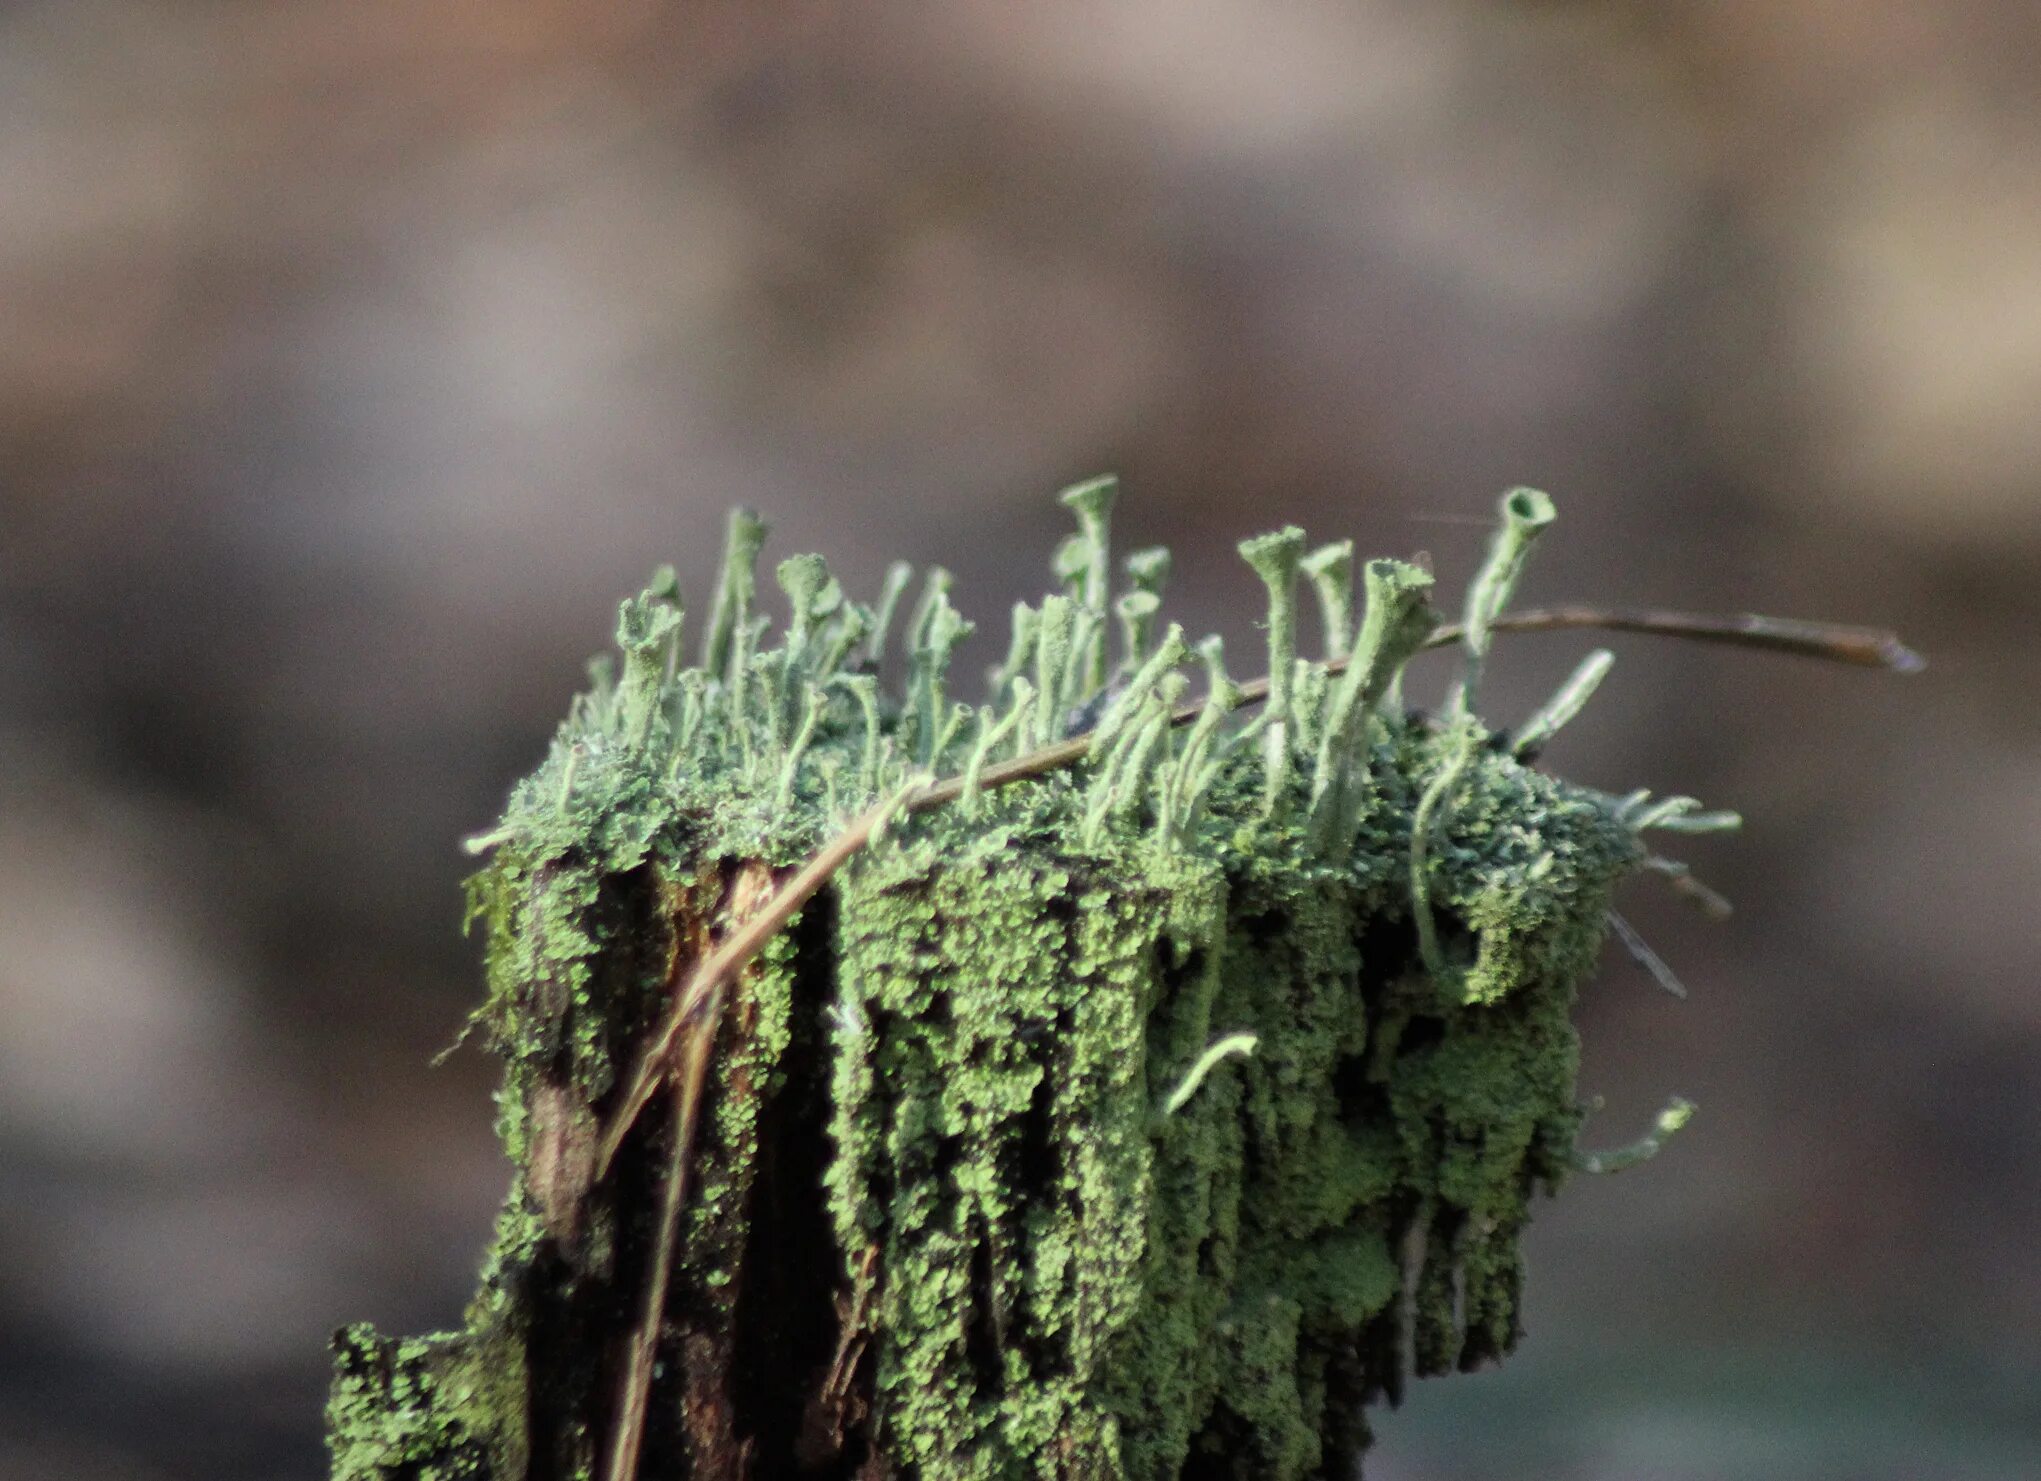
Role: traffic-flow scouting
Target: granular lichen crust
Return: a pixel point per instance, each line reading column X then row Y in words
column 1141, row 1118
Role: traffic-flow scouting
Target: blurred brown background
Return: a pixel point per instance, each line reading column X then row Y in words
column 358, row 357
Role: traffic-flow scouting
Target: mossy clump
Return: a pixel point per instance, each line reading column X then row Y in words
column 445, row 1408
column 1148, row 1115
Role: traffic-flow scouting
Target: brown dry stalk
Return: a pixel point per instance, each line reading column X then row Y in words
column 1859, row 646
column 831, row 1399
column 635, row 1386
column 1862, row 647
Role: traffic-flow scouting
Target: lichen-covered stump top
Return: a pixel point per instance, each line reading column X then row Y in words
column 1146, row 1112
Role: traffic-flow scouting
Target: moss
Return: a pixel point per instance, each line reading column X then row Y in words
column 443, row 1408
column 970, row 1196
column 991, row 1119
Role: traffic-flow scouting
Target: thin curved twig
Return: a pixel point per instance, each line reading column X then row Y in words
column 1860, row 647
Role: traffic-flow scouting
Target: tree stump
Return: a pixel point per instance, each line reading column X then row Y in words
column 1147, row 1101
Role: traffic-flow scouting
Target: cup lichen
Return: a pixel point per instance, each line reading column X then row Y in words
column 982, row 1183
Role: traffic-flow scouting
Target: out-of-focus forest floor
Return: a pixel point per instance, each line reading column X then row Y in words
column 358, row 358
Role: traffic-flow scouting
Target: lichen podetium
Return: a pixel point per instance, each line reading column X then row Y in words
column 1144, row 1117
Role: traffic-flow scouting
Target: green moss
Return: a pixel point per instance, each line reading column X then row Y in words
column 443, row 1408
column 954, row 1150
column 991, row 1119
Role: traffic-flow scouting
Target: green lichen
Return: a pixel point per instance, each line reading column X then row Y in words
column 976, row 1139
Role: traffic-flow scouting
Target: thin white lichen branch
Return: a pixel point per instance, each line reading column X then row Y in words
column 1221, row 1050
column 1677, row 1113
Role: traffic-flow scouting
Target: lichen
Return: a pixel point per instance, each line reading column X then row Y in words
column 1160, row 1112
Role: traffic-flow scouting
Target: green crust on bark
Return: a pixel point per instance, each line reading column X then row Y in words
column 981, row 1185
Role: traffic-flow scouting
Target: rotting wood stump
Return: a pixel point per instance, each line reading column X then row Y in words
column 1087, row 1083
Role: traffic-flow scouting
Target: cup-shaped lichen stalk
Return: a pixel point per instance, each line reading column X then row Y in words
column 898, row 577
column 1525, row 514
column 1148, row 569
column 1170, row 652
column 735, row 585
column 1275, row 557
column 1331, row 569
column 1140, row 749
column 1020, row 649
column 935, row 644
column 1053, row 630
column 1566, row 702
column 841, row 626
column 665, row 587
column 1397, row 621
column 1071, row 563
column 1092, row 503
column 935, row 590
column 647, row 627
column 803, row 578
column 1192, row 773
column 1136, row 611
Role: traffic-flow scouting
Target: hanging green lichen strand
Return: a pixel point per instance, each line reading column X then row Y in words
column 1157, row 1112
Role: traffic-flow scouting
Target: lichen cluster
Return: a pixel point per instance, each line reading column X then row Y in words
column 1154, row 1112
